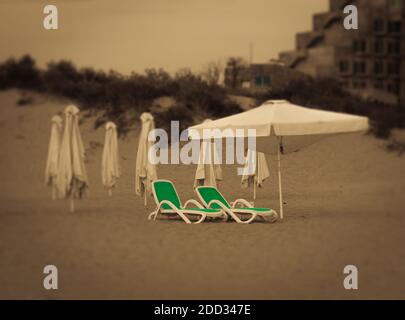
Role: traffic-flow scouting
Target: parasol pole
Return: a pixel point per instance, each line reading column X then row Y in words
column 279, row 181
column 53, row 191
column 254, row 189
column 72, row 204
column 109, row 192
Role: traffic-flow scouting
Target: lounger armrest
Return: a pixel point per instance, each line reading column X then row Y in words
column 170, row 204
column 216, row 202
column 174, row 208
column 193, row 202
column 243, row 202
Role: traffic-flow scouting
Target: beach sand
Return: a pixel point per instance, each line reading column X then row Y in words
column 345, row 205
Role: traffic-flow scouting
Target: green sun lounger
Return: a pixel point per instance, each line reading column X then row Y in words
column 168, row 203
column 213, row 199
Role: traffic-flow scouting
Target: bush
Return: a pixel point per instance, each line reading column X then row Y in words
column 179, row 112
column 117, row 95
column 20, row 74
column 209, row 98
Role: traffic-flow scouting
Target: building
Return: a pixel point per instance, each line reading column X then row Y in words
column 369, row 61
column 258, row 77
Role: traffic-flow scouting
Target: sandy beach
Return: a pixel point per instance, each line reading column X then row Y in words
column 345, row 205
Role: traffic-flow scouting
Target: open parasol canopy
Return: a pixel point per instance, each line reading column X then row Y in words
column 282, row 127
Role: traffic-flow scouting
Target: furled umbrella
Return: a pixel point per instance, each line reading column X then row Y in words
column 71, row 180
column 145, row 171
column 209, row 171
column 51, row 169
column 110, row 167
column 255, row 171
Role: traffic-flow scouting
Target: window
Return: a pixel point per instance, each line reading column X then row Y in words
column 378, row 67
column 394, row 47
column 359, row 67
column 393, row 68
column 379, row 46
column 359, row 45
column 394, row 26
column 344, row 66
column 393, row 88
column 379, row 25
column 262, row 81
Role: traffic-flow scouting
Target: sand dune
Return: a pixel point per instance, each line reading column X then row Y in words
column 345, row 205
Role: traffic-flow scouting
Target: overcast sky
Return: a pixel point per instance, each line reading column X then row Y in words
column 131, row 35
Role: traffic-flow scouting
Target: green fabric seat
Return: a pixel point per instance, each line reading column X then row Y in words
column 201, row 210
column 211, row 193
column 254, row 209
column 164, row 190
column 208, row 194
column 168, row 202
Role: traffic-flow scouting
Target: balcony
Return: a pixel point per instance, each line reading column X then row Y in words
column 323, row 20
column 306, row 40
column 291, row 58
